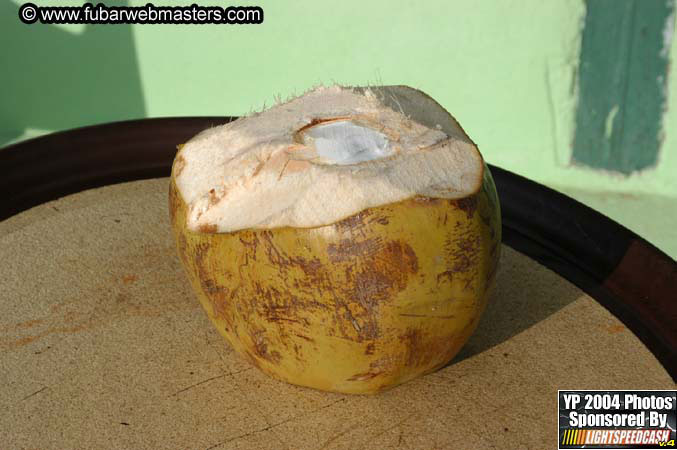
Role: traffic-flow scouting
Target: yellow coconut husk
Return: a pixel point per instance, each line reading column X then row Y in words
column 356, row 305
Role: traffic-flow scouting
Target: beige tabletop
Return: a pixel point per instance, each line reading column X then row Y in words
column 103, row 345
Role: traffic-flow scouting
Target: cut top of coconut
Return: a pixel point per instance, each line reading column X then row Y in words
column 322, row 157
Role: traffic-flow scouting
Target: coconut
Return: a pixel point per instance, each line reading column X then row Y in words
column 345, row 240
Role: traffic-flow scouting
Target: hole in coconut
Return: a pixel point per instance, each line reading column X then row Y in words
column 344, row 142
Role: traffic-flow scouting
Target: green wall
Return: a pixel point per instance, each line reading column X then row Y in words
column 496, row 65
column 506, row 69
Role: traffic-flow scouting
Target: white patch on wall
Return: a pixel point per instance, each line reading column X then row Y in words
column 668, row 31
column 668, row 35
column 609, row 122
column 562, row 88
column 562, row 94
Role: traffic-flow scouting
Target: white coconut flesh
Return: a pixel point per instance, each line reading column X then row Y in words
column 322, row 157
column 344, row 142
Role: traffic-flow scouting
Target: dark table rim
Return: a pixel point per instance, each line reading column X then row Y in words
column 623, row 272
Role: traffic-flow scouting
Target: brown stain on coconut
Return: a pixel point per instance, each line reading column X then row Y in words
column 364, row 376
column 175, row 206
column 282, row 295
column 415, row 349
column 425, row 350
column 260, row 347
column 179, row 164
column 468, row 205
column 207, row 228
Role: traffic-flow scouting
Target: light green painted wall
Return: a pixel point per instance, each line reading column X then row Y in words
column 490, row 63
column 505, row 69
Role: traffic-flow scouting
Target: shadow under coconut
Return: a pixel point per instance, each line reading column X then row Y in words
column 525, row 294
